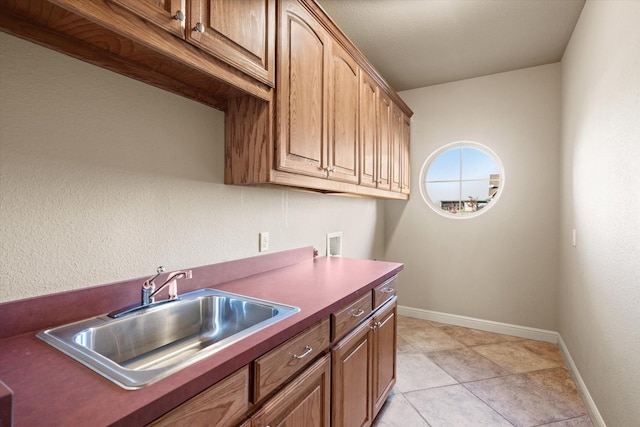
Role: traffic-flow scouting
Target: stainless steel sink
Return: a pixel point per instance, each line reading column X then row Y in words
column 138, row 349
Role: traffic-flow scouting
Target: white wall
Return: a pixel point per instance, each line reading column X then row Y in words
column 103, row 178
column 502, row 265
column 599, row 297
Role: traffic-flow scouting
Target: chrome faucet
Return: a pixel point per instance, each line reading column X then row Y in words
column 149, row 292
column 149, row 287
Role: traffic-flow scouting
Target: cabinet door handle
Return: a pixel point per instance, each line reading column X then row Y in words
column 387, row 290
column 358, row 314
column 199, row 28
column 305, row 354
column 179, row 16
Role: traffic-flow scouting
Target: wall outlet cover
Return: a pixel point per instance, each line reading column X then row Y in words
column 334, row 244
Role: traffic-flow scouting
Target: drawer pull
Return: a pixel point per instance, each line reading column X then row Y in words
column 387, row 290
column 358, row 314
column 305, row 354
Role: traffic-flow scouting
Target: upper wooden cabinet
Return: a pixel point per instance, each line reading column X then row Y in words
column 326, row 121
column 344, row 76
column 167, row 14
column 385, row 123
column 302, row 96
column 241, row 33
column 368, row 125
column 406, row 158
column 317, row 100
column 334, row 120
column 396, row 149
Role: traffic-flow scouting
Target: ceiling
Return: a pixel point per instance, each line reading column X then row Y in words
column 417, row 43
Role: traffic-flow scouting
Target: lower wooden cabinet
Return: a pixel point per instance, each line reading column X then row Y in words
column 384, row 354
column 299, row 384
column 304, row 402
column 223, row 404
column 351, row 389
column 364, row 369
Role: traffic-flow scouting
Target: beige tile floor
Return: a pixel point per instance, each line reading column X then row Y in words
column 452, row 376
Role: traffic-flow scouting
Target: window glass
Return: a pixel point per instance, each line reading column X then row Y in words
column 462, row 179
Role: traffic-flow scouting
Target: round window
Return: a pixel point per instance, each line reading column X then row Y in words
column 462, row 179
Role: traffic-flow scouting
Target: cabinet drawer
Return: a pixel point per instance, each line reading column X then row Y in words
column 284, row 361
column 304, row 402
column 223, row 404
column 347, row 318
column 385, row 291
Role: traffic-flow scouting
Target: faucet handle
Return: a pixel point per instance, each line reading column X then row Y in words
column 148, row 284
column 173, row 282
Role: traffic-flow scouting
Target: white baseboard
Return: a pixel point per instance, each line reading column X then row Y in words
column 518, row 331
column 596, row 418
column 483, row 325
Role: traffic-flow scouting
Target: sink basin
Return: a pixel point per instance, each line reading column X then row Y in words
column 135, row 350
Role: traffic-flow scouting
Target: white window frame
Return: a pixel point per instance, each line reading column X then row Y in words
column 460, row 144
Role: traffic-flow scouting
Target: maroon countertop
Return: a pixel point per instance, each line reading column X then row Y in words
column 50, row 388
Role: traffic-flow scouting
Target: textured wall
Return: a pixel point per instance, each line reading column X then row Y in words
column 503, row 264
column 103, row 178
column 599, row 305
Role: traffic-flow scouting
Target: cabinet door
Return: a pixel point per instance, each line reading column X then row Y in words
column 304, row 402
column 343, row 116
column 368, row 131
column 384, row 137
column 167, row 14
column 352, row 383
column 396, row 149
column 241, row 33
column 303, row 53
column 384, row 354
column 406, row 163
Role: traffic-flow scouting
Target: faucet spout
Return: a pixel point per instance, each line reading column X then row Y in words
column 149, row 292
column 172, row 283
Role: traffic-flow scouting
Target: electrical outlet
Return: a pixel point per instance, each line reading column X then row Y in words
column 263, row 241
